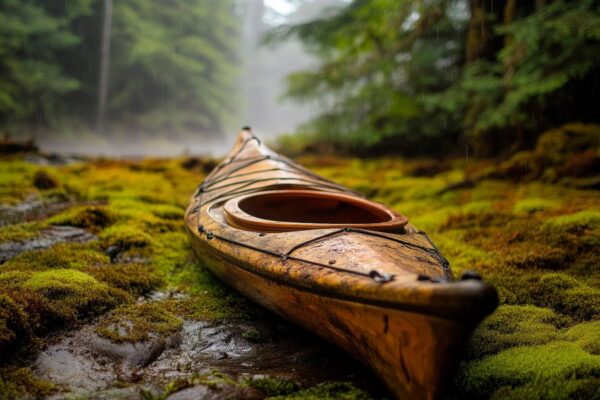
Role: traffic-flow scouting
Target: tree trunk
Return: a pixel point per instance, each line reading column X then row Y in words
column 104, row 66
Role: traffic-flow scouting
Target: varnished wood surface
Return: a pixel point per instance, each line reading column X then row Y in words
column 389, row 298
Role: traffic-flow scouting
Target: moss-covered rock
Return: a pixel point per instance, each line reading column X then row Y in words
column 91, row 217
column 327, row 391
column 20, row 383
column 133, row 323
column 63, row 255
column 134, row 278
column 73, row 295
column 125, row 237
column 14, row 326
column 274, row 386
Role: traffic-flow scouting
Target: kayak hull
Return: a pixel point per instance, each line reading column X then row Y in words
column 414, row 354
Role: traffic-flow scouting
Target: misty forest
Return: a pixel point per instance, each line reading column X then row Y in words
column 478, row 120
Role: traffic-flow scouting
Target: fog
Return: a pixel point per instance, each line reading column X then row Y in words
column 258, row 86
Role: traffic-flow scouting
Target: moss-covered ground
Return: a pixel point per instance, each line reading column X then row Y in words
column 535, row 239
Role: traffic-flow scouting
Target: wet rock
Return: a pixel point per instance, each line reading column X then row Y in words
column 47, row 238
column 67, row 363
column 199, row 392
column 113, row 252
column 31, row 209
column 135, row 355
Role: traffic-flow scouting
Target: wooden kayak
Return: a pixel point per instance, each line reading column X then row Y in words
column 348, row 269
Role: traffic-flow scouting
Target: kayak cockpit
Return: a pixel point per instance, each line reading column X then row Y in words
column 289, row 210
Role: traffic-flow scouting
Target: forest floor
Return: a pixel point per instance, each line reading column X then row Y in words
column 100, row 296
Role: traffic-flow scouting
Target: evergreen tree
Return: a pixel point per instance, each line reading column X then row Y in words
column 422, row 74
column 33, row 83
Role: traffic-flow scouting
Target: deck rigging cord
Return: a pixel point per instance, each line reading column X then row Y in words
column 317, row 183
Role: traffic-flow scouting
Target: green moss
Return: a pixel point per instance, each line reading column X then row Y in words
column 253, row 335
column 137, row 322
column 73, row 295
column 327, row 391
column 63, row 255
column 573, row 223
column 568, row 296
column 20, row 383
column 167, row 211
column 550, row 389
column 20, row 232
column 557, row 361
column 91, row 217
column 274, row 386
column 13, row 324
column 533, row 255
column 512, row 326
column 533, row 205
column 137, row 279
column 586, row 335
column 125, row 236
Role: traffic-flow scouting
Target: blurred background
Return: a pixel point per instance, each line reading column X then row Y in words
column 367, row 77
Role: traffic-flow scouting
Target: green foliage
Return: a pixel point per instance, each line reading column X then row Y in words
column 402, row 72
column 33, row 83
column 376, row 61
column 544, row 52
column 173, row 64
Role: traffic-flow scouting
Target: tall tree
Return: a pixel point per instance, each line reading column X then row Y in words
column 104, row 65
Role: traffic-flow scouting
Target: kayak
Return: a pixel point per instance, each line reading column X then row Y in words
column 348, row 269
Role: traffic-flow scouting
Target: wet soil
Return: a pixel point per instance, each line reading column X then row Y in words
column 82, row 363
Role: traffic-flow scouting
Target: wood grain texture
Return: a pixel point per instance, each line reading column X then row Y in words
column 387, row 297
